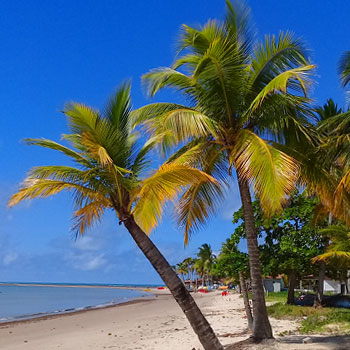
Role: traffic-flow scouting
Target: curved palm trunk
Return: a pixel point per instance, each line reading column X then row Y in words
column 261, row 326
column 244, row 290
column 194, row 315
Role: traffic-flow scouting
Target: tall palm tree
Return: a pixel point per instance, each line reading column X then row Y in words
column 109, row 164
column 244, row 97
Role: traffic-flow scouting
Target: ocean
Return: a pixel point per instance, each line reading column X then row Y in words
column 29, row 301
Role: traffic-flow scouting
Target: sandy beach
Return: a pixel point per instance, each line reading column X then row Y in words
column 148, row 325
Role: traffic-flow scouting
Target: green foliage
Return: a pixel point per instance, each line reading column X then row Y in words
column 110, row 168
column 337, row 254
column 291, row 239
column 244, row 96
column 314, row 320
column 231, row 260
column 344, row 69
column 278, row 296
column 205, row 260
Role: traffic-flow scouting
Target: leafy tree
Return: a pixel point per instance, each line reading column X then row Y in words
column 233, row 263
column 290, row 239
column 110, row 163
column 244, row 97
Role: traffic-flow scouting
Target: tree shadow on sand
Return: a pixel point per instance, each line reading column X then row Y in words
column 295, row 342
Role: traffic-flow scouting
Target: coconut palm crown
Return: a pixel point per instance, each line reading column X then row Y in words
column 110, row 174
column 243, row 97
column 110, row 163
column 246, row 99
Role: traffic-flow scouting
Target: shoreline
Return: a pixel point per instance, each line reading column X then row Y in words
column 153, row 324
column 135, row 287
column 152, row 293
column 6, row 324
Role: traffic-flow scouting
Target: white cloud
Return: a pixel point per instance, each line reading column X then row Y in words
column 95, row 263
column 9, row 258
column 87, row 243
column 86, row 261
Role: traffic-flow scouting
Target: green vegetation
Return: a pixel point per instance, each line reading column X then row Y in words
column 276, row 297
column 291, row 239
column 280, row 296
column 313, row 320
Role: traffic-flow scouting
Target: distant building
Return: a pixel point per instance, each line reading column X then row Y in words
column 309, row 283
column 273, row 284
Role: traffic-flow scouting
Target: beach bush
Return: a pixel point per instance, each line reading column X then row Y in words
column 313, row 320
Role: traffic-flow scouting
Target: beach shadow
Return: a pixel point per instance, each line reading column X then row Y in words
column 330, row 342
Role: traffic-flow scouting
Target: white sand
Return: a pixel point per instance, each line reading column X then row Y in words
column 158, row 324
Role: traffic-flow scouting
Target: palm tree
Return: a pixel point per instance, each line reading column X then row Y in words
column 189, row 262
column 205, row 260
column 110, row 162
column 244, row 98
column 339, row 248
column 323, row 114
column 182, row 270
column 234, row 264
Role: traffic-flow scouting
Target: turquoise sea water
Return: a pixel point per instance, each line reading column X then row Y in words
column 22, row 302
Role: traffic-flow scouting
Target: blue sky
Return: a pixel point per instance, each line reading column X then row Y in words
column 55, row 52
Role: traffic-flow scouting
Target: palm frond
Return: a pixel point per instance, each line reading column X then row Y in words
column 272, row 172
column 296, row 79
column 168, row 119
column 60, row 148
column 342, row 257
column 274, row 56
column 198, row 39
column 88, row 215
column 159, row 78
column 199, row 202
column 119, row 107
column 42, row 188
column 344, row 69
column 162, row 186
column 59, row 172
column 239, row 26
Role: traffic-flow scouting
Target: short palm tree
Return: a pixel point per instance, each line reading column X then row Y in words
column 182, row 270
column 245, row 97
column 110, row 163
column 206, row 259
column 189, row 262
column 338, row 252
